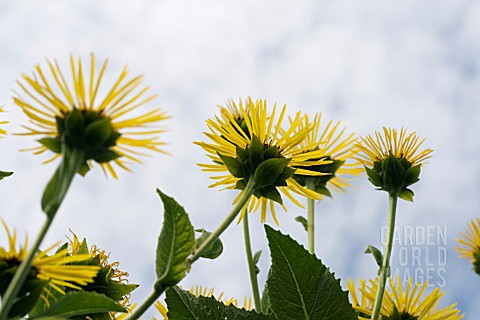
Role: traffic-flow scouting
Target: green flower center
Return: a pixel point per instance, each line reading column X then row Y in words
column 89, row 131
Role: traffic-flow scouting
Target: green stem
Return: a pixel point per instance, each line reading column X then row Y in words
column 159, row 288
column 311, row 217
column 385, row 270
column 52, row 198
column 251, row 264
column 247, row 192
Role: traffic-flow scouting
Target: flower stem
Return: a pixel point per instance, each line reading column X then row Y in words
column 385, row 270
column 251, row 264
column 311, row 218
column 52, row 198
column 159, row 288
column 247, row 192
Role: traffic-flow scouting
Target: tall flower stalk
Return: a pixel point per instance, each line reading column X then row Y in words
column 392, row 162
column 80, row 129
column 338, row 148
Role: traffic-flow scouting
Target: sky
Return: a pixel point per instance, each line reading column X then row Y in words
column 368, row 64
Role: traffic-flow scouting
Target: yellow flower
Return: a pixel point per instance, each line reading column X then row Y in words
column 470, row 242
column 59, row 270
column 338, row 148
column 392, row 161
column 401, row 303
column 71, row 114
column 243, row 139
column 205, row 292
column 110, row 280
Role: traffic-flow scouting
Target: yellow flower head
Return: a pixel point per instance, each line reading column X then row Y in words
column 338, row 147
column 392, row 160
column 110, row 280
column 470, row 242
column 401, row 303
column 205, row 292
column 59, row 271
column 69, row 113
column 244, row 138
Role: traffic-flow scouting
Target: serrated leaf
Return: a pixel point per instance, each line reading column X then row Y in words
column 183, row 305
column 80, row 303
column 300, row 286
column 175, row 243
column 214, row 250
column 302, row 221
column 269, row 170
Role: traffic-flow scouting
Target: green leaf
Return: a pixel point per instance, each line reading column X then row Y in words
column 52, row 144
column 30, row 294
column 256, row 258
column 271, row 193
column 322, row 189
column 242, row 154
column 377, row 254
column 302, row 221
column 406, row 194
column 102, row 155
column 214, row 250
column 394, row 174
column 374, row 177
column 98, row 132
column 412, row 175
column 233, row 165
column 300, row 286
column 269, row 170
column 255, row 150
column 175, row 243
column 184, row 305
column 271, row 152
column 80, row 303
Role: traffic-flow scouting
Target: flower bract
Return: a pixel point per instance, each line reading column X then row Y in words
column 392, row 160
column 401, row 303
column 470, row 244
column 70, row 112
column 248, row 143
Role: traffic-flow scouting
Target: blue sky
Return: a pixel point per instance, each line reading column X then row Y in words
column 367, row 63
